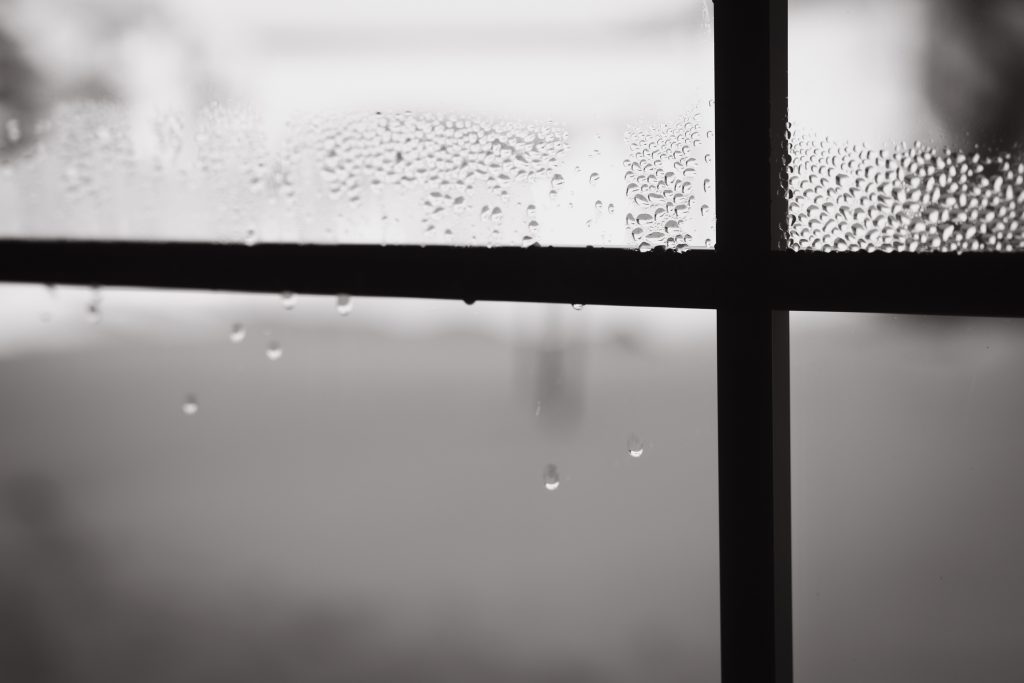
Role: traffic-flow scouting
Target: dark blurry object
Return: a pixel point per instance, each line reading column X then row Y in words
column 19, row 95
column 975, row 70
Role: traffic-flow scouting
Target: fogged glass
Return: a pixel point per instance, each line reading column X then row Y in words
column 211, row 487
column 907, row 470
column 469, row 122
column 907, row 122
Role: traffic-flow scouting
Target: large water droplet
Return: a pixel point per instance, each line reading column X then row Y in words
column 191, row 405
column 274, row 351
column 594, row 177
column 344, row 304
column 577, row 307
column 237, row 333
column 634, row 446
column 551, row 478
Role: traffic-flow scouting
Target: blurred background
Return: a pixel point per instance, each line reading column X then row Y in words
column 413, row 491
column 202, row 486
column 390, row 121
column 907, row 118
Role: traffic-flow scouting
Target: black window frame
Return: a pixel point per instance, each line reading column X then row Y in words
column 749, row 278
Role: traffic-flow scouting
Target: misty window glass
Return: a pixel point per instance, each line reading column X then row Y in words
column 906, row 124
column 468, row 122
column 907, row 471
column 203, row 486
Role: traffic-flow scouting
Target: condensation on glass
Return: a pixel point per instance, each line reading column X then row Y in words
column 467, row 122
column 906, row 125
column 199, row 486
column 907, row 472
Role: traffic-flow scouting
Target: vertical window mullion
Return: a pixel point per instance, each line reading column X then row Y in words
column 753, row 344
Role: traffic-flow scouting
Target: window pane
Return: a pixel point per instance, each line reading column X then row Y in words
column 412, row 491
column 907, row 119
column 472, row 122
column 907, row 502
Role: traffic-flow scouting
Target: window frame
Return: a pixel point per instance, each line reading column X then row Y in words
column 749, row 278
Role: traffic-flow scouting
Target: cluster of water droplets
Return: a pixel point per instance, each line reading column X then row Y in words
column 227, row 173
column 670, row 184
column 910, row 198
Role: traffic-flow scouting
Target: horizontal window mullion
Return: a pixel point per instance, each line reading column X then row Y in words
column 976, row 284
column 541, row 274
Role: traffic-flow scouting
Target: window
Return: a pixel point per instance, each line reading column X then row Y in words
column 906, row 125
column 401, row 490
column 479, row 123
column 906, row 488
column 752, row 278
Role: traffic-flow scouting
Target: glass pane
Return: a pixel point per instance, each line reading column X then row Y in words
column 907, row 470
column 471, row 122
column 212, row 487
column 907, row 119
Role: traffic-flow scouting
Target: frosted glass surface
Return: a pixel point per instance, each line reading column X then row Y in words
column 483, row 122
column 907, row 470
column 208, row 487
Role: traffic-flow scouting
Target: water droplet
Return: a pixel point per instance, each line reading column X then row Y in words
column 531, row 211
column 191, row 405
column 237, row 333
column 551, row 478
column 594, row 177
column 288, row 300
column 634, row 446
column 557, row 181
column 611, row 208
column 344, row 304
column 274, row 351
column 250, row 238
column 577, row 307
column 537, row 409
